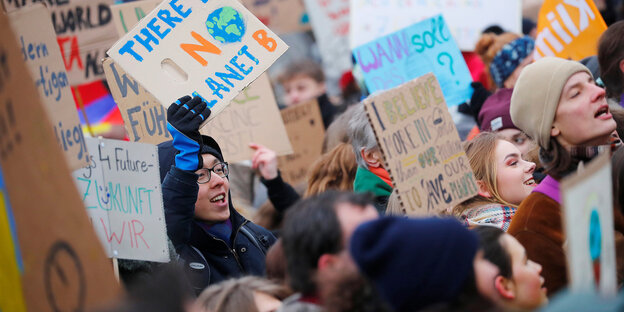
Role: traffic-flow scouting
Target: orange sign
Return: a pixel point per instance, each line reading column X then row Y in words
column 568, row 29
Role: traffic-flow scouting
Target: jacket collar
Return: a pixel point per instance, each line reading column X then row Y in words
column 366, row 181
column 549, row 187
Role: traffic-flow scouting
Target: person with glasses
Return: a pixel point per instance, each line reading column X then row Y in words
column 212, row 239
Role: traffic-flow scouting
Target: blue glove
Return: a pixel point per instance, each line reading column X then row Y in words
column 183, row 120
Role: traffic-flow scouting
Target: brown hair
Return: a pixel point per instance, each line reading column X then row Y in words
column 488, row 46
column 235, row 295
column 618, row 115
column 557, row 161
column 617, row 165
column 335, row 170
column 481, row 152
column 305, row 68
column 610, row 55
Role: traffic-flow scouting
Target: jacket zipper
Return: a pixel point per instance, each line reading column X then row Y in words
column 233, row 250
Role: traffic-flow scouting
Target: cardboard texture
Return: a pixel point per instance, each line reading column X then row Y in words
column 169, row 51
column 588, row 224
column 84, row 31
column 122, row 193
column 11, row 267
column 466, row 19
column 281, row 16
column 65, row 267
column 330, row 24
column 411, row 52
column 304, row 125
column 420, row 146
column 41, row 53
column 252, row 117
column 568, row 29
column 126, row 15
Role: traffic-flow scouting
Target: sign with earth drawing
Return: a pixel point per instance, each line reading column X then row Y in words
column 211, row 49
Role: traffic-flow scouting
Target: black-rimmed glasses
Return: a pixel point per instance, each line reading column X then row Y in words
column 203, row 174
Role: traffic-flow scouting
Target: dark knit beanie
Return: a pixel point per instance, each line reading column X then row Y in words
column 494, row 114
column 166, row 153
column 509, row 57
column 415, row 263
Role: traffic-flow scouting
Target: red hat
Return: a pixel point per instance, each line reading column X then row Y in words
column 494, row 114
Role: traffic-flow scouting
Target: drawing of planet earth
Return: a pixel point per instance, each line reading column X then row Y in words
column 226, row 25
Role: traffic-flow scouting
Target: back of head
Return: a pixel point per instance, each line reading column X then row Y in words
column 235, row 295
column 503, row 54
column 334, row 170
column 361, row 134
column 338, row 130
column 305, row 68
column 493, row 249
column 490, row 44
column 610, row 57
column 415, row 263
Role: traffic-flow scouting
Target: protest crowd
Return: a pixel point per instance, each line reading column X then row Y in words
column 313, row 155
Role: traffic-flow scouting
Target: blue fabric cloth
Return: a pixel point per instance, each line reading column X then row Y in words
column 415, row 263
column 222, row 230
column 509, row 57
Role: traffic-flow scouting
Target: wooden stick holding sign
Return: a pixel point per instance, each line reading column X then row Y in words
column 588, row 223
column 169, row 51
column 420, row 145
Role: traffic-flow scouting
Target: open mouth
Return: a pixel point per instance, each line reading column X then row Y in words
column 603, row 112
column 530, row 182
column 219, row 198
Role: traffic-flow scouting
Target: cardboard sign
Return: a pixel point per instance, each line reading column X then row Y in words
column 126, row 15
column 84, row 31
column 169, row 50
column 121, row 190
column 281, row 16
column 330, row 24
column 11, row 265
column 65, row 268
column 41, row 53
column 304, row 125
column 412, row 52
column 421, row 148
column 466, row 19
column 252, row 117
column 588, row 222
column 568, row 29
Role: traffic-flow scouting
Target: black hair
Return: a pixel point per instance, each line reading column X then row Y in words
column 617, row 164
column 493, row 249
column 311, row 229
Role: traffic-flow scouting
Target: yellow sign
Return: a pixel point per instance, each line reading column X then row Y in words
column 568, row 29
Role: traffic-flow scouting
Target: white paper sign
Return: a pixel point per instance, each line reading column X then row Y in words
column 208, row 48
column 588, row 223
column 122, row 193
column 466, row 19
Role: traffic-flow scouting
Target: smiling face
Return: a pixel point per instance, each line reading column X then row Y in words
column 582, row 116
column 212, row 203
column 526, row 282
column 514, row 175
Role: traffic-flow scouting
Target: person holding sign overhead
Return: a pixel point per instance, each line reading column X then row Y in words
column 214, row 241
column 557, row 103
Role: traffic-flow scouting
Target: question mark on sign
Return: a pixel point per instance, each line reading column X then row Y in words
column 450, row 62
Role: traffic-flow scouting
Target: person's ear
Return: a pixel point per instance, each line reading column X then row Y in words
column 554, row 131
column 504, row 287
column 371, row 157
column 325, row 261
column 483, row 189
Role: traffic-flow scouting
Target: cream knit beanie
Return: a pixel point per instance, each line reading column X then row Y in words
column 536, row 96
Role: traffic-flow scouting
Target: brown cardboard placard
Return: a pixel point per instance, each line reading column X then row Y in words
column 42, row 55
column 304, row 125
column 126, row 15
column 65, row 267
column 282, row 16
column 420, row 145
column 588, row 224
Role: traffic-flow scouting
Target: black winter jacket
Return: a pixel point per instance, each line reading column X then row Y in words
column 209, row 259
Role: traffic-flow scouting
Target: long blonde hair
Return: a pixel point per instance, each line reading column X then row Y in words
column 481, row 152
column 334, row 170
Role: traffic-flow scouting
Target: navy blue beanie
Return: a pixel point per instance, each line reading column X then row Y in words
column 509, row 57
column 166, row 153
column 415, row 263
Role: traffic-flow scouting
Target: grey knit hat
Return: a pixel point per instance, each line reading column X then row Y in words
column 536, row 96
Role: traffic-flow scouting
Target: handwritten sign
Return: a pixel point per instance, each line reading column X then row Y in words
column 11, row 266
column 568, row 29
column 126, row 15
column 588, row 218
column 84, row 31
column 121, row 190
column 65, row 268
column 282, row 16
column 169, row 50
column 330, row 24
column 421, row 148
column 466, row 19
column 304, row 125
column 412, row 52
column 41, row 53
